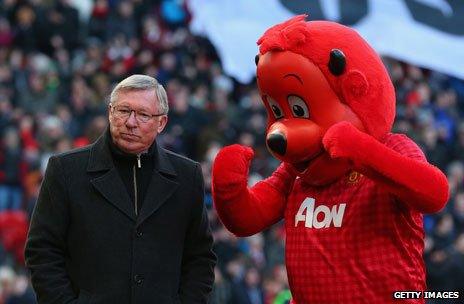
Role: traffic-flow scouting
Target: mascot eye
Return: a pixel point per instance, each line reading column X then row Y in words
column 276, row 110
column 298, row 106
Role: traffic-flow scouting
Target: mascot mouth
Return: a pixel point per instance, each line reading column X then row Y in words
column 303, row 165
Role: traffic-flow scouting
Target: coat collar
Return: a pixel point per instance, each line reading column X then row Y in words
column 100, row 157
column 110, row 185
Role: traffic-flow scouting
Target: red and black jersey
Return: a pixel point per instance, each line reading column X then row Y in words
column 352, row 241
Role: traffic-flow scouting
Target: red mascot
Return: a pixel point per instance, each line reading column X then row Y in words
column 352, row 194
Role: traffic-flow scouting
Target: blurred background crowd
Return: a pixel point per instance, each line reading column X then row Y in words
column 58, row 63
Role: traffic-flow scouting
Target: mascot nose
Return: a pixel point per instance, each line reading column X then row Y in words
column 277, row 143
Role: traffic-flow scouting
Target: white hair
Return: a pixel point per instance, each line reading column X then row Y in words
column 142, row 82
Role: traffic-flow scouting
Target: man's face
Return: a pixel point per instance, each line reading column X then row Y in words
column 130, row 134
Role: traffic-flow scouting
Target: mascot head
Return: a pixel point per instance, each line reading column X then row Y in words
column 312, row 75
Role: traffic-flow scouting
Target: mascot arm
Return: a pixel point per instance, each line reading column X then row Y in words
column 409, row 177
column 248, row 210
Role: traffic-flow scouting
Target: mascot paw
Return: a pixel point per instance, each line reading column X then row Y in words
column 340, row 140
column 232, row 163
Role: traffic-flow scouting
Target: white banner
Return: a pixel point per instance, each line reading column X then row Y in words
column 427, row 33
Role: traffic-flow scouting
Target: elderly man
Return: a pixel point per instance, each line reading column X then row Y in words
column 123, row 220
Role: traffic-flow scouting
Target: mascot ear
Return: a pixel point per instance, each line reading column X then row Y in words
column 354, row 85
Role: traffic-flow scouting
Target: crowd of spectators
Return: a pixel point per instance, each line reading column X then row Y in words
column 58, row 63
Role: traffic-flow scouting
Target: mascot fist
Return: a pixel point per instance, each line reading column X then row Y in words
column 243, row 210
column 339, row 138
column 230, row 170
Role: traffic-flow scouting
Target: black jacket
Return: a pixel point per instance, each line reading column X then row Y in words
column 86, row 245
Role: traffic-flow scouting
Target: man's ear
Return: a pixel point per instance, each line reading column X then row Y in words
column 163, row 121
column 109, row 111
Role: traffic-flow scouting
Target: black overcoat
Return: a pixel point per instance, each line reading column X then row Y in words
column 86, row 245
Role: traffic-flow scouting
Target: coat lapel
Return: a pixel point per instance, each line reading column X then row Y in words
column 109, row 185
column 112, row 188
column 162, row 185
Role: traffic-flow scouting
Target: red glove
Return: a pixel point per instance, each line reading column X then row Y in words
column 246, row 211
column 413, row 181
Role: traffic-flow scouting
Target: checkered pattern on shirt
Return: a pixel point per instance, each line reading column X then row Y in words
column 376, row 251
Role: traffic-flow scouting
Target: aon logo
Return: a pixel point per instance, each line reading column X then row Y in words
column 321, row 217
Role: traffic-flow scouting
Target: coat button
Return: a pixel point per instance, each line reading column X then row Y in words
column 138, row 233
column 138, row 279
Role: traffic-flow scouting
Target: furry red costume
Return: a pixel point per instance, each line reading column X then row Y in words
column 353, row 214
